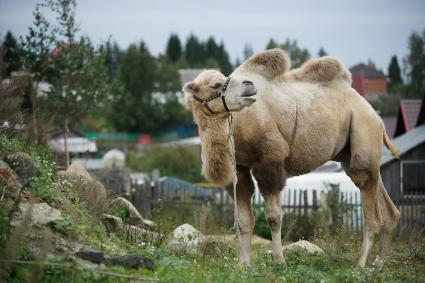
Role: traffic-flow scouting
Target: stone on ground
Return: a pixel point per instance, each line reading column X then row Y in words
column 23, row 165
column 92, row 255
column 132, row 261
column 39, row 213
column 9, row 181
column 89, row 190
column 308, row 247
column 135, row 217
column 185, row 237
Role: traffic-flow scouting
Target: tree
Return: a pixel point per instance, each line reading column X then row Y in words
column 75, row 69
column 247, row 51
column 174, row 48
column 298, row 55
column 394, row 73
column 11, row 56
column 322, row 52
column 415, row 64
column 36, row 48
column 133, row 104
column 195, row 53
column 272, row 44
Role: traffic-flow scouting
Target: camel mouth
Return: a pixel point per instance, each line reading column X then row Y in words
column 249, row 99
column 250, row 93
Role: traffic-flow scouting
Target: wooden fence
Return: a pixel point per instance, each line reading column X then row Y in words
column 182, row 199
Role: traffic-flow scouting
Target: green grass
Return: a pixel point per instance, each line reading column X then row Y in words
column 406, row 264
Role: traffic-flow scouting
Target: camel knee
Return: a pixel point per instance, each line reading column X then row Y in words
column 247, row 227
column 274, row 219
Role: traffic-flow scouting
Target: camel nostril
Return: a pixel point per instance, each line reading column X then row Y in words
column 247, row 83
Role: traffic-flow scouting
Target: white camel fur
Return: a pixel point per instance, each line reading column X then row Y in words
column 301, row 119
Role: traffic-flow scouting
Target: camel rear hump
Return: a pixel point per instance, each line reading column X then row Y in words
column 324, row 69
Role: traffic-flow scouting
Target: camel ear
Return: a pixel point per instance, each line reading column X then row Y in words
column 188, row 100
column 190, row 87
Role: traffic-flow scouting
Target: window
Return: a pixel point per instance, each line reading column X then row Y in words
column 413, row 177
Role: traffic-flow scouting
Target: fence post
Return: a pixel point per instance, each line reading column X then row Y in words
column 305, row 203
column 315, row 205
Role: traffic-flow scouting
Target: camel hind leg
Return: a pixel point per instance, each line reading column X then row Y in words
column 391, row 216
column 362, row 166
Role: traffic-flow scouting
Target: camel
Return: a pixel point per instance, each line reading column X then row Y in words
column 287, row 122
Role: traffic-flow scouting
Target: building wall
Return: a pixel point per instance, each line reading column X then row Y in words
column 376, row 86
column 391, row 175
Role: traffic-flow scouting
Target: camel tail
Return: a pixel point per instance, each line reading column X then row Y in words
column 390, row 146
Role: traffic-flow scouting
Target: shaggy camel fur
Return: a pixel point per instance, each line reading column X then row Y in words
column 302, row 118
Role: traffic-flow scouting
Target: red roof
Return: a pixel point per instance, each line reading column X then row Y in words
column 407, row 115
column 410, row 110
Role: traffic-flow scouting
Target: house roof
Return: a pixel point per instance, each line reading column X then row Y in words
column 404, row 143
column 367, row 71
column 390, row 123
column 407, row 115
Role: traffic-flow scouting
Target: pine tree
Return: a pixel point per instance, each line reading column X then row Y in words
column 394, row 73
column 195, row 52
column 271, row 44
column 415, row 64
column 322, row 52
column 11, row 56
column 174, row 48
column 247, row 51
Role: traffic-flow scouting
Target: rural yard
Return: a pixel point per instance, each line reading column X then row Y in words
column 212, row 141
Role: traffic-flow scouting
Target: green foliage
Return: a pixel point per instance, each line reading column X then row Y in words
column 120, row 212
column 198, row 53
column 394, row 73
column 297, row 54
column 45, row 184
column 387, row 105
column 183, row 162
column 322, row 52
column 12, row 55
column 272, row 44
column 415, row 64
column 174, row 48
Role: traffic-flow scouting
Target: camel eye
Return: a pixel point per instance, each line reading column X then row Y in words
column 216, row 86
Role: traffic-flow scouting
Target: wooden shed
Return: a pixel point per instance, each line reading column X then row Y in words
column 404, row 178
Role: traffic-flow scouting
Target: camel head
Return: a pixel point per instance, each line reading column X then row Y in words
column 212, row 93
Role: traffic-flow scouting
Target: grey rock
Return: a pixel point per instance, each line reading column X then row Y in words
column 306, row 246
column 88, row 189
column 112, row 223
column 91, row 255
column 10, row 184
column 185, row 237
column 23, row 165
column 135, row 217
column 40, row 213
column 132, row 261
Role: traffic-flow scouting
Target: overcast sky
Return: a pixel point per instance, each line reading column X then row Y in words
column 354, row 31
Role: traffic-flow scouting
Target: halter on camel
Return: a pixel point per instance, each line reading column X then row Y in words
column 219, row 94
column 204, row 102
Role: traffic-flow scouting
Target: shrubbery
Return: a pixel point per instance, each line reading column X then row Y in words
column 183, row 161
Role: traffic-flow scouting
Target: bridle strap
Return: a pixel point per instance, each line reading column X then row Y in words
column 219, row 94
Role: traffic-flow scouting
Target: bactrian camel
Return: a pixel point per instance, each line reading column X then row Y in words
column 301, row 119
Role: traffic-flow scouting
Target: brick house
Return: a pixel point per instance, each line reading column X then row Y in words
column 367, row 80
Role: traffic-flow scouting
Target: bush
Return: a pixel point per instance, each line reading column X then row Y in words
column 183, row 162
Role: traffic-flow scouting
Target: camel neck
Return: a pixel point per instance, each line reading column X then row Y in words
column 216, row 161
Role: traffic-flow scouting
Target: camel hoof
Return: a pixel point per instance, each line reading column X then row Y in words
column 279, row 259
